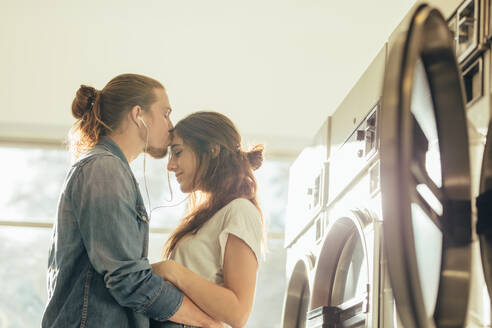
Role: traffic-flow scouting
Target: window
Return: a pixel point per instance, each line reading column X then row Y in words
column 32, row 178
column 31, row 181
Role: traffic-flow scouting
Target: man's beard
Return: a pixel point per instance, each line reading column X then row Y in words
column 156, row 153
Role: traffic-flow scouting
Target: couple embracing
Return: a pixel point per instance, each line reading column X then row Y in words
column 98, row 271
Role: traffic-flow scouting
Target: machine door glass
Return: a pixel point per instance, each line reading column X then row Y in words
column 341, row 292
column 351, row 275
column 425, row 175
column 426, row 204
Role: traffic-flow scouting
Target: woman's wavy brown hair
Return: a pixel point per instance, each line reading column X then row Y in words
column 219, row 178
column 98, row 113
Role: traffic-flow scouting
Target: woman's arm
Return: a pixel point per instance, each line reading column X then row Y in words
column 190, row 314
column 232, row 303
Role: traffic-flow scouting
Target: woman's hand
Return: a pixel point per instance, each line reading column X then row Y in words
column 215, row 324
column 167, row 270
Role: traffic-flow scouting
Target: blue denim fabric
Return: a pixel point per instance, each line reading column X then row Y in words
column 98, row 271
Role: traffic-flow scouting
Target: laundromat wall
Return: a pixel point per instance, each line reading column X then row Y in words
column 345, row 153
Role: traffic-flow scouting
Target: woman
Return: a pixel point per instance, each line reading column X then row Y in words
column 214, row 252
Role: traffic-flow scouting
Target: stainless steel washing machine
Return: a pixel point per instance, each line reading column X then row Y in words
column 435, row 111
column 332, row 244
column 393, row 241
column 304, row 226
column 348, row 284
column 425, row 176
column 335, row 254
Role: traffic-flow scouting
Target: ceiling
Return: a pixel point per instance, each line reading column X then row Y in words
column 277, row 68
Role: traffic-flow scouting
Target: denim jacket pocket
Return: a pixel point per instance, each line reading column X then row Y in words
column 142, row 213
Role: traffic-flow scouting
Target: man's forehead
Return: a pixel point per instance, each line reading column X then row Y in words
column 164, row 107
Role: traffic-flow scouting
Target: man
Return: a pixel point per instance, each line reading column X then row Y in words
column 99, row 274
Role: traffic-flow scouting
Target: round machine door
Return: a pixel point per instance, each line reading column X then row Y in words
column 340, row 288
column 297, row 298
column 425, row 176
column 484, row 211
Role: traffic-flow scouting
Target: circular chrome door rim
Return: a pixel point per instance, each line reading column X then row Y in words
column 329, row 256
column 428, row 40
column 298, row 286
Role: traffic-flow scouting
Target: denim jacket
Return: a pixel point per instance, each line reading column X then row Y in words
column 98, row 271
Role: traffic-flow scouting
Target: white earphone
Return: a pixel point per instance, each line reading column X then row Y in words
column 143, row 122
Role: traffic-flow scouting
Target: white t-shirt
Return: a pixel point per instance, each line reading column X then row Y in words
column 203, row 252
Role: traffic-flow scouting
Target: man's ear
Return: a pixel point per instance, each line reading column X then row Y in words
column 215, row 150
column 133, row 115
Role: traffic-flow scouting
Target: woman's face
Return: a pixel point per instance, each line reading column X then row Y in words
column 183, row 162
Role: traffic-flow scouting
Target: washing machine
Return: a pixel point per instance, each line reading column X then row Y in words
column 304, row 226
column 435, row 110
column 393, row 241
column 334, row 236
column 348, row 283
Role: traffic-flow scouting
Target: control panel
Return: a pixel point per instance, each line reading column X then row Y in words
column 352, row 157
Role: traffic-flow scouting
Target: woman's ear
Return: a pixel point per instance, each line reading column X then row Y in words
column 215, row 150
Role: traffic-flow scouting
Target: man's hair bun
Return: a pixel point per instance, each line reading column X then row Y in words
column 84, row 100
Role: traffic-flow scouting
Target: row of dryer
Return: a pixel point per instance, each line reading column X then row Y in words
column 389, row 219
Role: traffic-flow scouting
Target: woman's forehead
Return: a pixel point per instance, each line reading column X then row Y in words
column 176, row 140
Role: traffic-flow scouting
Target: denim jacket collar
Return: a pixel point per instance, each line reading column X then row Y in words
column 111, row 146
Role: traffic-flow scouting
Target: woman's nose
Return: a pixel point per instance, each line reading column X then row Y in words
column 171, row 166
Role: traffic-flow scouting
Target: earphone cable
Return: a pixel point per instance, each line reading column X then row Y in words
column 173, row 205
column 144, row 171
column 172, row 196
column 169, row 183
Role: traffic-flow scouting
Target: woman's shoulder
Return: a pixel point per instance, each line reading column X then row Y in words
column 240, row 209
column 237, row 210
column 242, row 204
